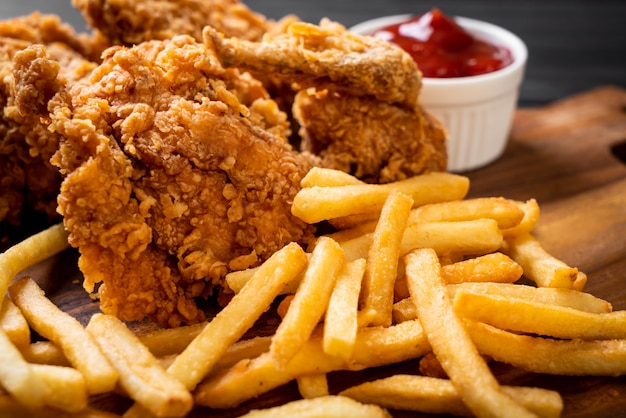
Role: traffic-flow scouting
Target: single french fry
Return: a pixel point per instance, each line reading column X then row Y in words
column 18, row 377
column 526, row 316
column 494, row 267
column 382, row 258
column 476, row 237
column 65, row 387
column 13, row 323
column 310, row 300
column 504, row 211
column 374, row 346
column 238, row 316
column 326, row 406
column 235, row 280
column 327, row 177
column 527, row 224
column 550, row 356
column 452, row 345
column 404, row 309
column 29, row 252
column 539, row 266
column 568, row 298
column 312, row 385
column 140, row 374
column 507, row 213
column 64, row 330
column 439, row 396
column 315, row 204
column 340, row 324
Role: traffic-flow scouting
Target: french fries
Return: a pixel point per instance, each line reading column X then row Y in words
column 238, row 316
column 550, row 356
column 18, row 377
column 13, row 323
column 341, row 320
column 79, row 347
column 29, row 252
column 310, row 300
column 315, row 204
column 540, row 266
column 374, row 346
column 140, row 374
column 479, row 236
column 516, row 314
column 450, row 342
column 418, row 273
column 439, row 396
column 383, row 256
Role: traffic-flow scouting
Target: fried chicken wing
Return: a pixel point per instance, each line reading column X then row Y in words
column 326, row 56
column 373, row 140
column 129, row 22
column 176, row 171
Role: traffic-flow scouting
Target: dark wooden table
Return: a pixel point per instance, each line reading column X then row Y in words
column 567, row 149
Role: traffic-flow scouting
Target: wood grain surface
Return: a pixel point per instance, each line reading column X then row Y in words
column 570, row 156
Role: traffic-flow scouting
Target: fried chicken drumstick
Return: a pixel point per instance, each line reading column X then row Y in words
column 175, row 171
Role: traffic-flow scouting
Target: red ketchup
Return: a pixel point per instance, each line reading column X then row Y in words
column 441, row 48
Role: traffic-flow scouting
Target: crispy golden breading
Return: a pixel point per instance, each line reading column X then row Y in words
column 176, row 171
column 130, row 22
column 326, row 56
column 27, row 179
column 357, row 105
column 373, row 140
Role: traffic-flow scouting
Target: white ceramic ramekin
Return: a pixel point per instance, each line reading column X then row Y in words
column 477, row 110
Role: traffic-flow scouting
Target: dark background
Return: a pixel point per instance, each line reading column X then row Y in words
column 573, row 45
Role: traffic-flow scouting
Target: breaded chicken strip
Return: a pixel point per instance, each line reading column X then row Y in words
column 327, row 56
column 175, row 172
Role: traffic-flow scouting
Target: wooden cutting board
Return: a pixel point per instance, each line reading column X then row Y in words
column 570, row 156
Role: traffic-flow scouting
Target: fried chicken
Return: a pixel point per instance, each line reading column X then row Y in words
column 357, row 105
column 176, row 171
column 372, row 140
column 327, row 56
column 28, row 182
column 130, row 22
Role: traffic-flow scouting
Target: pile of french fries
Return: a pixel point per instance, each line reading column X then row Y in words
column 414, row 271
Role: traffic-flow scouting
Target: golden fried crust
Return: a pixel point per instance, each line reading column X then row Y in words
column 375, row 141
column 169, row 172
column 130, row 22
column 28, row 182
column 326, row 57
column 46, row 29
